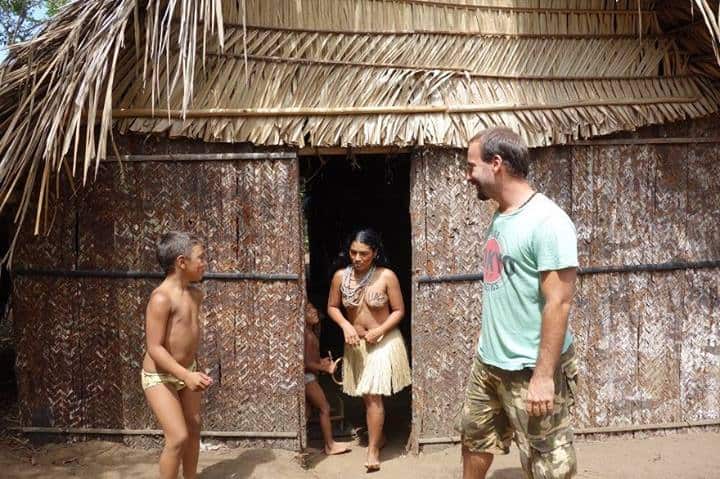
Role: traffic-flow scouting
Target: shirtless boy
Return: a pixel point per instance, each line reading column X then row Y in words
column 313, row 391
column 170, row 378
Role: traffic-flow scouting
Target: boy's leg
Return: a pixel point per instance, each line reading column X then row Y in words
column 317, row 398
column 190, row 401
column 165, row 403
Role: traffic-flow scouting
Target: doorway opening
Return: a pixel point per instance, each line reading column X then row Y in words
column 340, row 195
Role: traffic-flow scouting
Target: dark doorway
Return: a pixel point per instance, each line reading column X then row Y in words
column 341, row 194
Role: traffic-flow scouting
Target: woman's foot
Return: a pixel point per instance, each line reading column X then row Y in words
column 373, row 460
column 336, row 448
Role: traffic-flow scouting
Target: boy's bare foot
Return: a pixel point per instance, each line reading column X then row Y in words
column 337, row 448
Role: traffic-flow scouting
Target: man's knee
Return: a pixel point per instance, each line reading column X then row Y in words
column 558, row 463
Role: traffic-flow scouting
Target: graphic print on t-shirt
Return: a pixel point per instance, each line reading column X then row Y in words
column 493, row 265
column 496, row 264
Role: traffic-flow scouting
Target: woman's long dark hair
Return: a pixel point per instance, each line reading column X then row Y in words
column 369, row 237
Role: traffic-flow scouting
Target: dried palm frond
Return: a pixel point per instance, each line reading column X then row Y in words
column 56, row 90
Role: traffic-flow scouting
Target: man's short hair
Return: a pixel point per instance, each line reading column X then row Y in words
column 173, row 244
column 508, row 145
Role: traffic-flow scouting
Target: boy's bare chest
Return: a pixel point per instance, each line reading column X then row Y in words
column 186, row 313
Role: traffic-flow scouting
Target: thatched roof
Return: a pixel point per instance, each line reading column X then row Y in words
column 347, row 73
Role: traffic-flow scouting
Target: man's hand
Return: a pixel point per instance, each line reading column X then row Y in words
column 541, row 396
column 197, row 381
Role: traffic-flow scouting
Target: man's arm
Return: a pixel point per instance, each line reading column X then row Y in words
column 558, row 288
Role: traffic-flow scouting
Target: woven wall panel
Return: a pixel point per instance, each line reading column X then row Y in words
column 445, row 334
column 703, row 201
column 455, row 219
column 700, row 353
column 448, row 226
column 49, row 379
column 92, row 330
column 551, row 174
column 659, row 342
column 130, row 302
column 99, row 353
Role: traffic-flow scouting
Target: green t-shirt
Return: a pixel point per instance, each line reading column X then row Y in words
column 519, row 245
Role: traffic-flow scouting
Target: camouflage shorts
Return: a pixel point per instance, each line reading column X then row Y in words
column 494, row 413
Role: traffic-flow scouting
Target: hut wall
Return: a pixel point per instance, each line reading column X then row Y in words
column 648, row 341
column 81, row 339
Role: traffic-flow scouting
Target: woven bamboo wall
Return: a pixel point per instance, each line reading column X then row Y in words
column 648, row 341
column 81, row 340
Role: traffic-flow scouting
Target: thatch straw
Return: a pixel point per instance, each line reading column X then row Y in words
column 56, row 91
column 364, row 72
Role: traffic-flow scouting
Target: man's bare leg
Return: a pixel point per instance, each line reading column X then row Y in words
column 475, row 464
column 317, row 398
column 375, row 416
column 190, row 401
column 165, row 403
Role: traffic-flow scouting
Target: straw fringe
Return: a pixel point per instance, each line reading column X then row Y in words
column 377, row 369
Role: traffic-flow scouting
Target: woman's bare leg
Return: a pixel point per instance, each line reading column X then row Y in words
column 375, row 414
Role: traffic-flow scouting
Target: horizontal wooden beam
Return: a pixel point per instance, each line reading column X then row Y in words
column 643, row 141
column 153, row 432
column 458, row 71
column 210, row 113
column 451, row 33
column 598, row 430
column 204, row 157
column 625, row 268
column 115, row 274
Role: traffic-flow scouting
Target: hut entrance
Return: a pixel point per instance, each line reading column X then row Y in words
column 341, row 194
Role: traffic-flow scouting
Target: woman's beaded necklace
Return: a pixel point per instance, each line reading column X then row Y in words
column 352, row 295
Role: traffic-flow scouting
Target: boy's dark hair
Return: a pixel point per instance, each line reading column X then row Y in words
column 173, row 244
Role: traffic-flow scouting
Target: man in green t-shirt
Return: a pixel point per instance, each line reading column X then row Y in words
column 524, row 372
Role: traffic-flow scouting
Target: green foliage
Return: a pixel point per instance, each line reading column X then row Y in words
column 20, row 19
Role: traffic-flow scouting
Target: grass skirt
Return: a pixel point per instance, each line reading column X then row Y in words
column 380, row 368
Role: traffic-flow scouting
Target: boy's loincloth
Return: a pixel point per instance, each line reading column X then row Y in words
column 149, row 380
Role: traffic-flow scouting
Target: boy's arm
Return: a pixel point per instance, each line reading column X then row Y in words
column 156, row 318
column 311, row 364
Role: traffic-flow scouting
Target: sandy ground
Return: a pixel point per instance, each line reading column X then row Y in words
column 692, row 455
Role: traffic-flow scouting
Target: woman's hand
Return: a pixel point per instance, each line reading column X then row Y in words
column 360, row 330
column 351, row 336
column 374, row 335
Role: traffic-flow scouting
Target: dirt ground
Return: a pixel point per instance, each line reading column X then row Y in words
column 693, row 456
